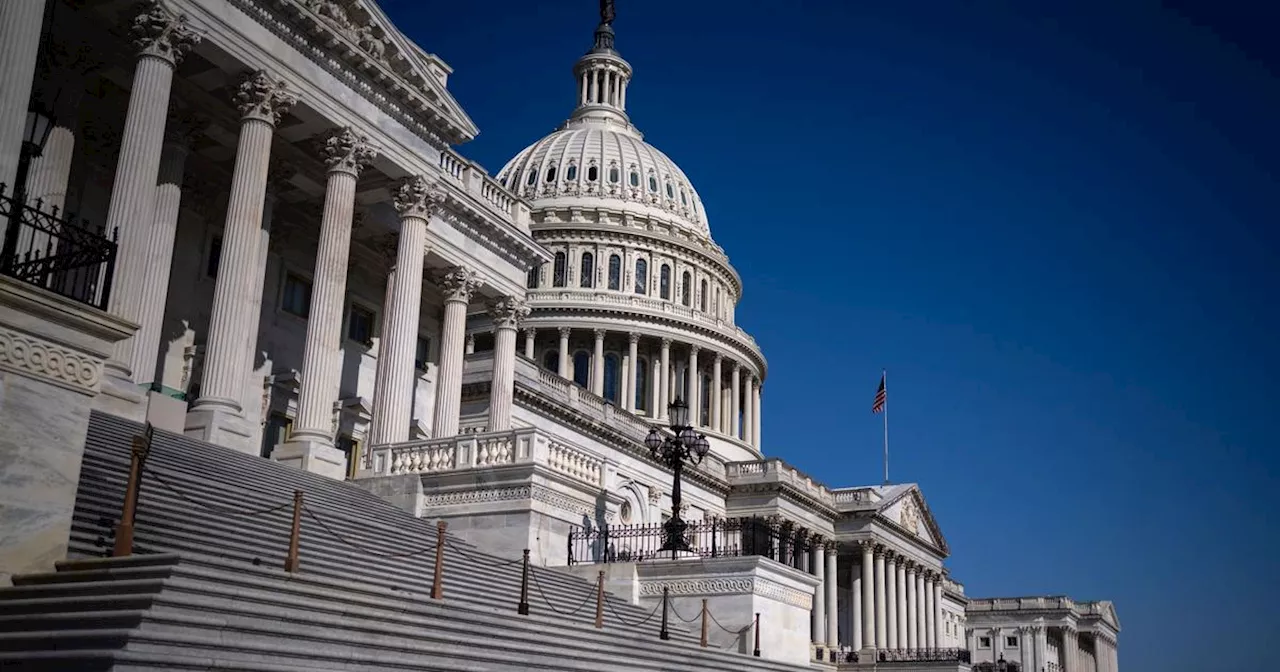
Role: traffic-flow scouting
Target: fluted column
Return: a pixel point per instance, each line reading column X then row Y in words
column 757, row 387
column 714, row 400
column 664, row 399
column 49, row 173
column 833, row 623
column 921, row 640
column 735, row 401
column 530, row 338
column 563, row 364
column 416, row 200
column 900, row 579
column 346, row 153
column 936, row 610
column 162, row 39
column 692, row 376
column 1041, row 644
column 1025, row 649
column 262, row 101
column 882, row 626
column 855, row 606
column 507, row 314
column 458, row 286
column 891, row 600
column 597, row 363
column 930, row 625
column 868, row 594
column 748, row 422
column 818, row 616
column 913, row 641
column 20, row 30
column 633, row 353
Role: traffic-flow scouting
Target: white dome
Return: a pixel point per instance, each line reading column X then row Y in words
column 596, row 163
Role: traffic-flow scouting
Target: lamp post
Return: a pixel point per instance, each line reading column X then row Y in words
column 684, row 444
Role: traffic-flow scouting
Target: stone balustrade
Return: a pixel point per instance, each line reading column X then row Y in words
column 854, row 497
column 1019, row 603
column 478, row 183
column 775, row 470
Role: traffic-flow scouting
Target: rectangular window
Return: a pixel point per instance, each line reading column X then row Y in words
column 422, row 354
column 360, row 325
column 984, row 642
column 1011, row 642
column 296, row 299
column 215, row 257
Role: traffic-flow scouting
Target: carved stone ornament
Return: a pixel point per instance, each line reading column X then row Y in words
column 418, row 197
column 909, row 517
column 159, row 33
column 36, row 357
column 263, row 97
column 655, row 495
column 508, row 312
column 347, row 152
column 459, row 283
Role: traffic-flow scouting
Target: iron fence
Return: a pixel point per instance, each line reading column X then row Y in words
column 57, row 253
column 708, row 539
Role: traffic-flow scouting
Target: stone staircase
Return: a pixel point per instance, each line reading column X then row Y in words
column 205, row 589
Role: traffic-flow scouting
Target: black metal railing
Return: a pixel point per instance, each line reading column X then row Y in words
column 45, row 249
column 708, row 539
column 923, row 655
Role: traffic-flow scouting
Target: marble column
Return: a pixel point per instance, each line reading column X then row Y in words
column 530, row 339
column 251, row 404
column 868, row 594
column 891, row 600
column 913, row 641
column 1025, row 649
column 748, row 424
column 936, row 592
column 458, row 285
column 818, row 616
column 833, row 622
column 655, row 389
column 692, row 376
column 900, row 581
column 664, row 400
column 882, row 624
column 930, row 626
column 416, row 200
column 1070, row 644
column 855, row 605
column 735, row 401
column 49, row 173
column 217, row 415
column 997, row 643
column 757, row 387
column 565, row 360
column 921, row 638
column 633, row 354
column 597, row 364
column 1041, row 643
column 507, row 313
column 714, row 400
column 20, row 31
column 162, row 39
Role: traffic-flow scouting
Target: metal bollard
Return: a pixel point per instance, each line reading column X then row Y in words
column 291, row 560
column 523, row 607
column 437, row 581
column 663, row 634
column 756, row 653
column 704, row 622
column 600, row 599
column 124, row 528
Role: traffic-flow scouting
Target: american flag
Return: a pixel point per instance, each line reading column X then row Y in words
column 878, row 405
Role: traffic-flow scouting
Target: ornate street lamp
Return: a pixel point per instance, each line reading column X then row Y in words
column 684, row 444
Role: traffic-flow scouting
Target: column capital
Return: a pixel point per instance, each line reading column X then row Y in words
column 891, row 556
column 345, row 151
column 419, row 197
column 159, row 33
column 565, row 331
column 507, row 312
column 263, row 97
column 717, row 356
column 736, row 365
column 1036, row 629
column 867, row 546
column 633, row 337
column 600, row 333
column 666, row 342
column 832, row 546
column 459, row 283
column 529, row 331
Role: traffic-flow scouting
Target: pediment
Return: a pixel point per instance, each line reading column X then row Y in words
column 360, row 33
column 904, row 506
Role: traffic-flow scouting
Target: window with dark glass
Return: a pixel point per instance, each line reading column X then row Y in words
column 611, row 377
column 215, row 257
column 558, row 272
column 613, row 174
column 551, row 361
column 422, row 353
column 275, row 433
column 360, row 325
column 642, row 276
column 615, row 272
column 533, row 177
column 581, row 367
column 642, row 382
column 571, row 173
column 551, row 174
column 653, row 184
column 683, row 199
column 686, row 287
column 705, row 395
column 588, row 275
column 702, row 296
column 532, row 280
column 635, row 179
column 296, row 297
column 671, row 192
column 664, row 282
column 593, row 173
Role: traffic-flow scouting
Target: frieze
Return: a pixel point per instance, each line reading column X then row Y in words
column 35, row 356
column 728, row 585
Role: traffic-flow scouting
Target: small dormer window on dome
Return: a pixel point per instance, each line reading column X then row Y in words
column 683, row 199
column 614, row 175
column 571, row 173
column 551, row 174
column 671, row 192
column 533, row 178
column 635, row 178
column 593, row 173
column 653, row 184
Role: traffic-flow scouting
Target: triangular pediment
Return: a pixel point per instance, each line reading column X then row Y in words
column 365, row 36
column 904, row 506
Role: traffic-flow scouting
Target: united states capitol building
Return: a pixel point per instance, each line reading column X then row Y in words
column 277, row 248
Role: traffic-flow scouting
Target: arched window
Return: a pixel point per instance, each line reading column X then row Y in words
column 635, row 179
column 611, row 377
column 613, row 174
column 704, row 394
column 571, row 173
column 642, row 276
column 686, row 287
column 715, row 301
column 671, row 192
column 683, row 199
column 653, row 184
column 533, row 178
column 642, row 382
column 532, row 280
column 615, row 272
column 588, row 275
column 551, row 361
column 702, row 295
column 581, row 367
column 664, row 282
column 551, row 174
column 557, row 277
column 593, row 173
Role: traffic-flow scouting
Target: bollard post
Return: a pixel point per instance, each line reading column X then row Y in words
column 437, row 581
column 291, row 560
column 663, row 634
column 704, row 622
column 124, row 528
column 523, row 607
column 756, row 653
column 600, row 599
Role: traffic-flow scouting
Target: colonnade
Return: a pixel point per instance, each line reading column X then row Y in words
column 1032, row 650
column 656, row 374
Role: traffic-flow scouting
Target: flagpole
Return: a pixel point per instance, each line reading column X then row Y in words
column 884, row 376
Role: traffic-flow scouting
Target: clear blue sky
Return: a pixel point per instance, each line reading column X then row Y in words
column 1057, row 229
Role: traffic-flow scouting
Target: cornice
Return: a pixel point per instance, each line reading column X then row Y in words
column 789, row 493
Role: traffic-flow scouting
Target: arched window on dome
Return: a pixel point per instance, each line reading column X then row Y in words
column 581, row 367
column 614, row 175
column 551, row 361
column 715, row 302
column 635, row 178
column 588, row 274
column 615, row 272
column 642, row 384
column 558, row 275
column 532, row 280
column 683, row 199
column 642, row 276
column 671, row 191
column 653, row 184
column 551, row 174
column 702, row 295
column 571, row 173
column 686, row 289
column 611, row 376
column 593, row 173
column 533, row 178
column 664, row 282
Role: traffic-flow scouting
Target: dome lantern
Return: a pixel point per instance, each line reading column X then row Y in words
column 602, row 76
